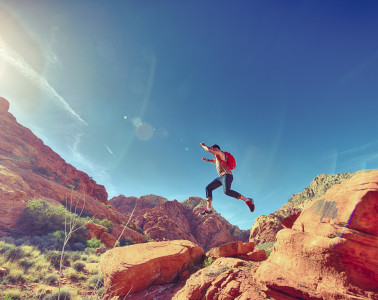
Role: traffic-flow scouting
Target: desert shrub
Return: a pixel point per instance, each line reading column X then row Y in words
column 74, row 256
column 41, row 218
column 268, row 247
column 78, row 265
column 95, row 281
column 126, row 242
column 103, row 222
column 93, row 258
column 51, row 279
column 5, row 246
column 89, row 251
column 77, row 246
column 74, row 275
column 92, row 268
column 94, row 243
column 208, row 261
column 15, row 275
column 54, row 258
column 26, row 263
column 65, row 294
column 14, row 254
column 13, row 294
column 41, row 266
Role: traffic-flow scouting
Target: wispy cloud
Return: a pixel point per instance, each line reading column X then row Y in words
column 109, row 150
column 17, row 61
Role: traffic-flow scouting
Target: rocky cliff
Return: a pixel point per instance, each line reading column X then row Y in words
column 172, row 220
column 265, row 228
column 30, row 169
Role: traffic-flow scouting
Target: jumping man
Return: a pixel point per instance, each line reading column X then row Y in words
column 225, row 178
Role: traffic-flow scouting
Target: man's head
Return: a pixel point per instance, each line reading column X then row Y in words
column 215, row 147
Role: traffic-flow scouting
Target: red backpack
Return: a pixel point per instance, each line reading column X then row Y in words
column 230, row 161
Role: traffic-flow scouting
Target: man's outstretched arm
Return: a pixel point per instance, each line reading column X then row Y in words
column 209, row 149
column 209, row 160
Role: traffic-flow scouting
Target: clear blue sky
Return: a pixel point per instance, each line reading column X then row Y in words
column 126, row 91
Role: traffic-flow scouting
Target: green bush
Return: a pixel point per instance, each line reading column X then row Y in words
column 268, row 247
column 13, row 295
column 26, row 263
column 41, row 217
column 78, row 265
column 14, row 254
column 208, row 261
column 126, row 242
column 51, row 279
column 96, row 281
column 104, row 222
column 54, row 258
column 64, row 295
column 75, row 256
column 94, row 243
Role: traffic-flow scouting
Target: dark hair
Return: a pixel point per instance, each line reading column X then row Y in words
column 215, row 146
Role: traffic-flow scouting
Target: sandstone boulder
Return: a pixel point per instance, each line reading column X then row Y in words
column 331, row 252
column 226, row 278
column 259, row 255
column 134, row 268
column 232, row 249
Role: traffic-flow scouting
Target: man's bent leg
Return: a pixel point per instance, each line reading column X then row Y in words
column 227, row 180
column 216, row 183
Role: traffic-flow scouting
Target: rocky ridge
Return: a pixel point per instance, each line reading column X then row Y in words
column 265, row 228
column 172, row 220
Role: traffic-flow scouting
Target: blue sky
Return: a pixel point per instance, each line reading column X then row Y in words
column 127, row 90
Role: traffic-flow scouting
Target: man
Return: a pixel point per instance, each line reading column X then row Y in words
column 225, row 178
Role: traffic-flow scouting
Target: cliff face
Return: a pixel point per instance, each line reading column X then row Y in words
column 266, row 228
column 331, row 250
column 171, row 220
column 30, row 169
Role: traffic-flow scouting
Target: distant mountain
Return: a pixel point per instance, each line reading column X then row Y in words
column 265, row 228
column 172, row 220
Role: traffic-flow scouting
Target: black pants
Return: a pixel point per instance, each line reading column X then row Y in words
column 224, row 180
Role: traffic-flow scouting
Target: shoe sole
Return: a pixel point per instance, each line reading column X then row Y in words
column 252, row 208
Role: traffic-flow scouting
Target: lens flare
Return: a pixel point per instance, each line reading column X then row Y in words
column 136, row 122
column 144, row 132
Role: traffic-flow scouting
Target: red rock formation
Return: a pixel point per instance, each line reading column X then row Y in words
column 30, row 169
column 226, row 278
column 265, row 228
column 126, row 205
column 101, row 233
column 331, row 252
column 259, row 255
column 134, row 268
column 233, row 249
column 172, row 220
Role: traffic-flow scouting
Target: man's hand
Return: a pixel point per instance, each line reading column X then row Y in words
column 204, row 158
column 203, row 144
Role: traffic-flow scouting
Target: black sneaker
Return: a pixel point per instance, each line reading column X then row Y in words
column 250, row 204
column 206, row 212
